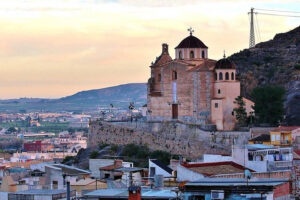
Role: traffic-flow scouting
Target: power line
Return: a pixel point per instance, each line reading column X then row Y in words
column 261, row 13
column 284, row 11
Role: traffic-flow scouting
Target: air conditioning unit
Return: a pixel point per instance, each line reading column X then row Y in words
column 217, row 194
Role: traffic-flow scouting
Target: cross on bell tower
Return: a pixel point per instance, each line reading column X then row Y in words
column 191, row 30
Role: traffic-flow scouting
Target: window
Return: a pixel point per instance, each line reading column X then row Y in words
column 216, row 76
column 159, row 77
column 174, row 75
column 54, row 184
column 180, row 54
column 277, row 137
column 192, row 54
column 273, row 138
column 232, row 113
column 232, row 76
column 220, row 76
column 219, row 91
column 203, row 54
column 227, row 76
column 216, row 105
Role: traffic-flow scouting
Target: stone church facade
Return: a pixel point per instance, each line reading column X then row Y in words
column 193, row 88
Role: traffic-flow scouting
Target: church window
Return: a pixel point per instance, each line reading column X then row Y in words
column 192, row 54
column 220, row 76
column 180, row 54
column 216, row 105
column 174, row 75
column 159, row 77
column 203, row 54
column 227, row 76
column 219, row 91
column 216, row 76
column 232, row 76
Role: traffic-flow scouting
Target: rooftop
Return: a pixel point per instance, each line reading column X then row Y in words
column 286, row 128
column 161, row 165
column 213, row 168
column 262, row 138
column 41, row 192
column 123, row 193
column 191, row 42
column 237, row 182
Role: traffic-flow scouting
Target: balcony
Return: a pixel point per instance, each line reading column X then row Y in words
column 285, row 142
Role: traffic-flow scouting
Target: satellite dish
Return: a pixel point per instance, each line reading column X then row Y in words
column 248, row 174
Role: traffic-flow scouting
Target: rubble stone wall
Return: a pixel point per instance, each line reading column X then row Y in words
column 174, row 137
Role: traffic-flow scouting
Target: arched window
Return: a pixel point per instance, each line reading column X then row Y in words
column 219, row 91
column 174, row 75
column 216, row 76
column 232, row 76
column 203, row 54
column 180, row 54
column 159, row 77
column 192, row 54
column 220, row 76
column 227, row 76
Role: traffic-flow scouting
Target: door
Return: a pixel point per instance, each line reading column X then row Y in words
column 174, row 111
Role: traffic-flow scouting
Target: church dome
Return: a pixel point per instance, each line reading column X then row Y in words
column 191, row 42
column 225, row 63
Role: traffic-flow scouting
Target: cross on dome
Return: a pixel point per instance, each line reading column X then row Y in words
column 191, row 30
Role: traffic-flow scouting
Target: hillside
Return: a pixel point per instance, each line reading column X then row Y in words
column 275, row 62
column 89, row 100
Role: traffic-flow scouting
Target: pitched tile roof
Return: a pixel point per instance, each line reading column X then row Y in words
column 263, row 137
column 286, row 128
column 213, row 168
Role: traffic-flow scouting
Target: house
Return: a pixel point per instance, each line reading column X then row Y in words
column 57, row 175
column 40, row 194
column 109, row 172
column 264, row 139
column 195, row 171
column 284, row 135
column 263, row 158
column 86, row 184
column 238, row 189
column 96, row 164
column 158, row 168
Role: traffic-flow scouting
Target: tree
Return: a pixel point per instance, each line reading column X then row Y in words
column 268, row 106
column 240, row 110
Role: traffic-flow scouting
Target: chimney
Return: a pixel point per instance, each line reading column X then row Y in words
column 134, row 193
column 165, row 48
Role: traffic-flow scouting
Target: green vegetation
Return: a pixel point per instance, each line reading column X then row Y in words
column 240, row 110
column 268, row 104
column 297, row 66
column 139, row 155
column 54, row 127
column 102, row 145
column 94, row 154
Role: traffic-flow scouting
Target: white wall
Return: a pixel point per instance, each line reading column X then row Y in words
column 185, row 174
column 95, row 164
column 215, row 158
column 158, row 170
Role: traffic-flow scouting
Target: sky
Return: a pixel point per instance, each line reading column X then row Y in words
column 55, row 48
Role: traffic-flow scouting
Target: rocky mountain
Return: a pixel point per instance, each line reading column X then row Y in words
column 120, row 96
column 275, row 62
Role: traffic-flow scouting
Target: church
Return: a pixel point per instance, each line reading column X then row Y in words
column 191, row 88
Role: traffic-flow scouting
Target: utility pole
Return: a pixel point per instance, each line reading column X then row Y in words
column 252, row 34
